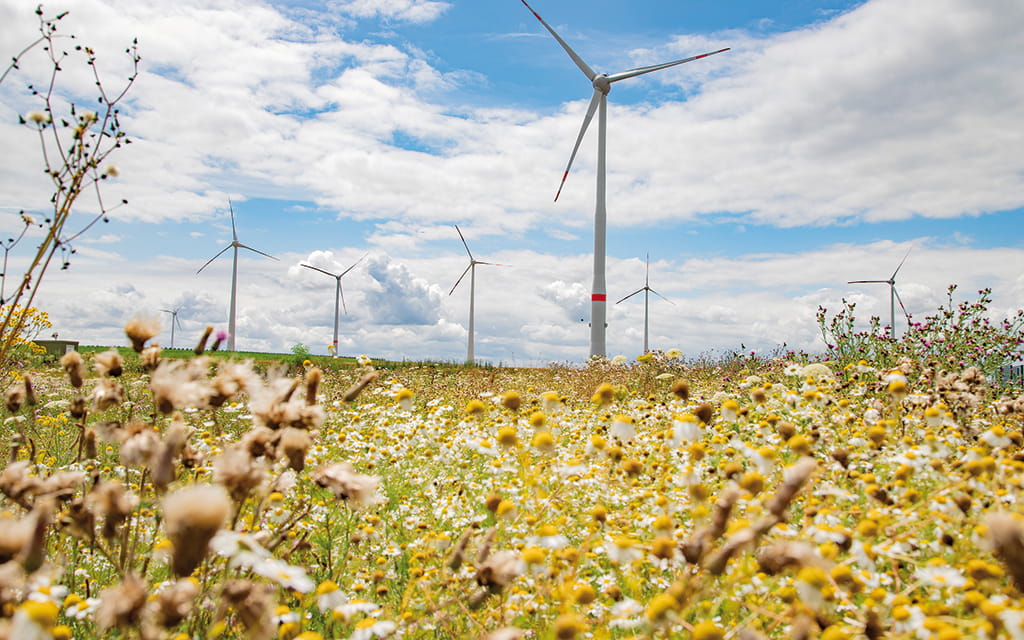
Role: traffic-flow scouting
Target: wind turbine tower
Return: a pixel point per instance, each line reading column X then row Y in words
column 599, row 102
column 893, row 296
column 338, row 293
column 235, row 245
column 646, row 289
column 471, row 270
column 174, row 321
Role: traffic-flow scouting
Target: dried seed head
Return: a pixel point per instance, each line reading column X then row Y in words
column 72, row 363
column 121, row 606
column 254, row 604
column 1006, row 536
column 704, row 412
column 15, row 396
column 681, row 389
column 345, row 483
column 778, row 557
column 173, row 603
column 498, row 571
column 191, row 518
column 109, row 363
column 30, row 392
column 313, row 378
column 141, row 329
column 107, row 393
column 14, row 534
column 238, row 472
column 294, row 444
column 201, row 345
column 795, row 477
column 113, row 502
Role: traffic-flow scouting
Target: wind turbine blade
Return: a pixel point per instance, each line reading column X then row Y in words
column 464, row 243
column 868, row 281
column 584, row 67
column 341, row 292
column 309, row 266
column 234, row 236
column 900, row 300
column 893, row 277
column 632, row 73
column 493, row 264
column 214, row 258
column 460, row 278
column 594, row 101
column 245, row 246
column 631, row 295
column 353, row 265
column 660, row 296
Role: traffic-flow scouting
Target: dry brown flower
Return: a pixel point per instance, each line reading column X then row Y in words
column 238, row 472
column 353, row 392
column 313, row 378
column 15, row 396
column 360, row 490
column 173, row 603
column 1006, row 536
column 191, row 518
column 14, row 533
column 140, row 329
column 293, row 444
column 704, row 412
column 72, row 363
column 681, row 389
column 111, row 501
column 106, row 394
column 788, row 554
column 121, row 606
column 18, row 484
column 109, row 363
column 795, row 477
column 201, row 345
column 253, row 603
column 498, row 571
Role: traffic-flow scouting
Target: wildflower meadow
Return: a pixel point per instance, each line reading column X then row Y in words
column 154, row 497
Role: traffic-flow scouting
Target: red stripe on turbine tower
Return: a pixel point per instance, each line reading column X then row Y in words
column 599, row 297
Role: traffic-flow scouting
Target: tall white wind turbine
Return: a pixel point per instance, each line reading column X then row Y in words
column 338, row 293
column 174, row 321
column 647, row 290
column 235, row 245
column 471, row 270
column 893, row 296
column 599, row 102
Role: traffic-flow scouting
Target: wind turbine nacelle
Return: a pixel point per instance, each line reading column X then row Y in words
column 602, row 83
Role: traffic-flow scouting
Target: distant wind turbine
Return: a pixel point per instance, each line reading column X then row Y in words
column 338, row 293
column 893, row 296
column 647, row 290
column 471, row 270
column 602, row 85
column 174, row 321
column 235, row 245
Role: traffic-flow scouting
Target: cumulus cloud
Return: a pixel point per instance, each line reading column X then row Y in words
column 400, row 298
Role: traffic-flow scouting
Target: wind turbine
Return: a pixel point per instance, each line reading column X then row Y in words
column 174, row 321
column 236, row 245
column 337, row 294
column 471, row 270
column 647, row 290
column 602, row 85
column 893, row 296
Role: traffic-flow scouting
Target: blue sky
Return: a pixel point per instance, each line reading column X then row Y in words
column 831, row 139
